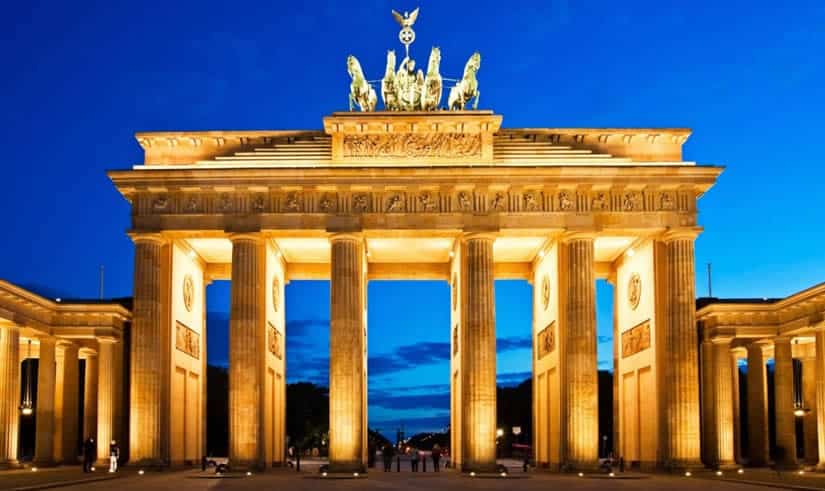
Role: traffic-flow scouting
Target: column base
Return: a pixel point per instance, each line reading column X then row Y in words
column 681, row 467
column 11, row 464
column 44, row 463
column 585, row 466
column 729, row 466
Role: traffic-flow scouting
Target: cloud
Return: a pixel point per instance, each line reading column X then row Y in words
column 513, row 343
column 512, row 378
column 409, row 356
column 306, row 327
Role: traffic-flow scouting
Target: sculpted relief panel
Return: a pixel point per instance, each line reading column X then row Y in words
column 547, row 340
column 432, row 199
column 412, row 145
column 187, row 340
column 636, row 339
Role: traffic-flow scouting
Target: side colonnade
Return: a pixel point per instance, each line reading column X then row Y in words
column 60, row 335
column 747, row 334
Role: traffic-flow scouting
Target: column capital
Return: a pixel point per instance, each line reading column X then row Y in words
column 465, row 236
column 346, row 236
column 782, row 339
column 721, row 339
column 151, row 237
column 571, row 235
column 246, row 237
column 107, row 340
column 739, row 352
column 86, row 352
column 677, row 233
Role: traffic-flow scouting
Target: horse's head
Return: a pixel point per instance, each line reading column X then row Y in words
column 435, row 60
column 474, row 63
column 353, row 67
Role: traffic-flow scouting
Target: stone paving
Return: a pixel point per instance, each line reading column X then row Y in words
column 129, row 479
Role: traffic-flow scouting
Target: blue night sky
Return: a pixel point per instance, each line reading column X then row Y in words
column 81, row 77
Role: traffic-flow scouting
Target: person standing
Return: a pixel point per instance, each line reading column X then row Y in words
column 88, row 454
column 387, row 456
column 114, row 454
column 436, row 457
column 414, row 459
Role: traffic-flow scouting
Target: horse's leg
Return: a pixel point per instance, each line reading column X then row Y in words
column 350, row 102
column 475, row 103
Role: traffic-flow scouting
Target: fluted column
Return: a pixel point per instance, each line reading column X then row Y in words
column 46, row 377
column 809, row 425
column 9, row 393
column 347, row 344
column 680, row 340
column 737, row 414
column 105, row 398
column 757, row 407
column 90, row 397
column 709, row 447
column 246, row 355
column 57, row 441
column 820, row 395
column 581, row 368
column 148, row 353
column 723, row 402
column 478, row 354
column 783, row 395
column 71, row 404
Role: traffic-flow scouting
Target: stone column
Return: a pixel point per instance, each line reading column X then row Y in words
column 347, row 338
column 9, row 394
column 478, row 354
column 90, row 397
column 723, row 402
column 148, row 387
column 709, row 446
column 783, row 395
column 246, row 355
column 46, row 378
column 105, row 398
column 758, row 455
column 57, row 440
column 809, row 425
column 578, row 314
column 820, row 395
column 680, row 340
column 71, row 404
column 737, row 414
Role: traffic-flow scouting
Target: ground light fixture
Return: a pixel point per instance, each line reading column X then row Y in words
column 472, row 474
column 688, row 474
column 248, row 473
column 612, row 475
column 503, row 474
column 581, row 474
column 718, row 473
column 34, row 469
column 354, row 474
column 801, row 471
column 140, row 472
column 740, row 471
column 92, row 469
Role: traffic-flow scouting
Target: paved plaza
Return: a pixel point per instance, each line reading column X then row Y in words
column 286, row 479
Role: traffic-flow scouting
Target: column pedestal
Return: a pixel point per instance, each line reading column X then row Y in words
column 758, row 455
column 347, row 342
column 46, row 378
column 478, row 354
column 9, row 394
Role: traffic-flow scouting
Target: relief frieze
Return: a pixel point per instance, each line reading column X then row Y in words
column 432, row 200
column 636, row 339
column 412, row 145
column 546, row 342
column 187, row 340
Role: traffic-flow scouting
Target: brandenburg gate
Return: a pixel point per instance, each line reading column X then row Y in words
column 445, row 195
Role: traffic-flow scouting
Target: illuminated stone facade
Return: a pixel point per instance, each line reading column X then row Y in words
column 753, row 331
column 61, row 334
column 438, row 195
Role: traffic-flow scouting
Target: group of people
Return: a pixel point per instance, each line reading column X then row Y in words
column 90, row 455
column 388, row 452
